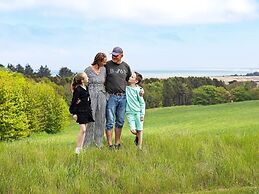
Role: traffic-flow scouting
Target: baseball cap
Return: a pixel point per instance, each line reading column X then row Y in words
column 116, row 51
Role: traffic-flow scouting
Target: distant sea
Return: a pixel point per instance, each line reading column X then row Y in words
column 193, row 73
column 186, row 73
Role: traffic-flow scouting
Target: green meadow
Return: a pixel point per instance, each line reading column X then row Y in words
column 186, row 149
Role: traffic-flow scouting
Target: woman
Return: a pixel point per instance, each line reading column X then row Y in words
column 96, row 74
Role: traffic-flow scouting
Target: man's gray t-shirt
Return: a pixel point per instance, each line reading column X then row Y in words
column 117, row 76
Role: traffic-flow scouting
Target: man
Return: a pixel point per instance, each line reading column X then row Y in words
column 118, row 73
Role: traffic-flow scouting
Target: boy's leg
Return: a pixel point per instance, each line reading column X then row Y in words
column 131, row 123
column 139, row 139
column 139, row 126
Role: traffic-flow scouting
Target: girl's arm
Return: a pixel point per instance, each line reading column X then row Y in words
column 74, row 102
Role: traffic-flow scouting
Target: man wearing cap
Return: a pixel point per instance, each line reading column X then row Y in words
column 117, row 75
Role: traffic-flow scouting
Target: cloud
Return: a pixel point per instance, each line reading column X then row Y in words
column 151, row 12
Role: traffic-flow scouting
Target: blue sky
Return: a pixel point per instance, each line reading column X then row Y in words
column 155, row 35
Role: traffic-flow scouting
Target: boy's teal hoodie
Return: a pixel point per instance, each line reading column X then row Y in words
column 135, row 103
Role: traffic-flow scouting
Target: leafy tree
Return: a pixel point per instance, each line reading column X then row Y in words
column 28, row 71
column 208, row 94
column 256, row 73
column 168, row 92
column 19, row 69
column 153, row 93
column 254, row 93
column 44, row 72
column 176, row 91
column 11, row 67
column 240, row 93
column 1, row 65
column 65, row 72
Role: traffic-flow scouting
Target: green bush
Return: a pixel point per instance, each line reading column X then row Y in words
column 241, row 93
column 53, row 110
column 255, row 93
column 27, row 107
column 13, row 119
column 208, row 94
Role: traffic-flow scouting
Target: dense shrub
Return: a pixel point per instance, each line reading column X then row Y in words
column 240, row 94
column 254, row 93
column 243, row 91
column 13, row 119
column 27, row 107
column 208, row 94
column 53, row 109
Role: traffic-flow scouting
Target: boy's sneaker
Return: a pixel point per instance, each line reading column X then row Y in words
column 136, row 140
column 117, row 147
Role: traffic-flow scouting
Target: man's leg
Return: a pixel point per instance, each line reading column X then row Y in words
column 110, row 111
column 109, row 137
column 120, row 112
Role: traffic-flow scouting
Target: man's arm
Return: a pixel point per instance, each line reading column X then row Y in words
column 128, row 73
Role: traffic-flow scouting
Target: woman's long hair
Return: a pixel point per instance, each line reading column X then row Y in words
column 99, row 57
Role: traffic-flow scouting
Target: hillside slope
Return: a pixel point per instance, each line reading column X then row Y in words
column 212, row 149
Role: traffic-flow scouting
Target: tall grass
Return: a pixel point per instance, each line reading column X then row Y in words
column 199, row 149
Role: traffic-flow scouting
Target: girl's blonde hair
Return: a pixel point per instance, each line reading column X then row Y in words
column 77, row 80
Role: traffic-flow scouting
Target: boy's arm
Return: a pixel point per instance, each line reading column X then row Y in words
column 142, row 106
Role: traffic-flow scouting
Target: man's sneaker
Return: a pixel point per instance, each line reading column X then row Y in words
column 117, row 147
column 110, row 147
column 136, row 140
column 77, row 151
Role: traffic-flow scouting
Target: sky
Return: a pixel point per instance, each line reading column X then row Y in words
column 154, row 34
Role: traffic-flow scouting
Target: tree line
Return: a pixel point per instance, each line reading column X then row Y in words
column 61, row 82
column 176, row 91
column 43, row 71
column 173, row 91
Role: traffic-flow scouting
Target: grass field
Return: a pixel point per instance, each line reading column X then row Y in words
column 187, row 149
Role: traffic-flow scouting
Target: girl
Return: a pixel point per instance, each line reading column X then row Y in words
column 80, row 106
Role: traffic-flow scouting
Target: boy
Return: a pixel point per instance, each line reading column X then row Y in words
column 135, row 107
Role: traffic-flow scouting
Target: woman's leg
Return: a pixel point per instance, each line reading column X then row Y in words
column 100, row 121
column 89, row 134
